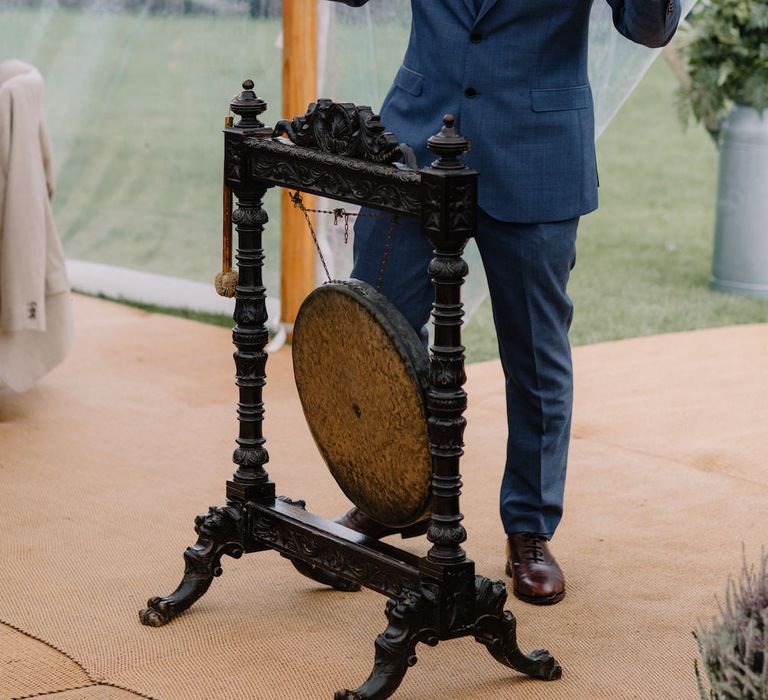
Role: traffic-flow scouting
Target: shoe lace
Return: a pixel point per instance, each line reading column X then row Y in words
column 532, row 547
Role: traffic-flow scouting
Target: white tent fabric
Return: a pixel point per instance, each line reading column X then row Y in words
column 136, row 94
column 137, row 91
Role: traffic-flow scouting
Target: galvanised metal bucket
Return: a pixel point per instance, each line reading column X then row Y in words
column 740, row 263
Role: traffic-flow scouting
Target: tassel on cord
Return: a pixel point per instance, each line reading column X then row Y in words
column 226, row 280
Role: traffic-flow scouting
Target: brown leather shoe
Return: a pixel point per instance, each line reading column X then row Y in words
column 359, row 521
column 537, row 577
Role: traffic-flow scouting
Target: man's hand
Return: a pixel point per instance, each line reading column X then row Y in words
column 652, row 23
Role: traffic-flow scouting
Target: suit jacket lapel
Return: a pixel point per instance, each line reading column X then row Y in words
column 484, row 9
column 470, row 6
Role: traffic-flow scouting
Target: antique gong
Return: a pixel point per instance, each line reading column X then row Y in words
column 387, row 420
column 362, row 376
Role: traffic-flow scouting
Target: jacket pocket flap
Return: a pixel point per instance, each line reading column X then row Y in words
column 410, row 81
column 554, row 99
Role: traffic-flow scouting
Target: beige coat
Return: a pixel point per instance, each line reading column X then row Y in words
column 36, row 327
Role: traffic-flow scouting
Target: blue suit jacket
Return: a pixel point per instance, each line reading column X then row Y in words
column 514, row 75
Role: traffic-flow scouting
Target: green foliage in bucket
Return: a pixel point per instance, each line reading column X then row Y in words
column 734, row 649
column 725, row 43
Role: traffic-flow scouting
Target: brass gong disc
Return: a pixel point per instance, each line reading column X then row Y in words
column 362, row 374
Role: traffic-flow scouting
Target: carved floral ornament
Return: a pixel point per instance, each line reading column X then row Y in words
column 335, row 176
column 329, row 556
column 344, row 129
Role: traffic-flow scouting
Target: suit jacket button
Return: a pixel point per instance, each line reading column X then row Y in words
column 470, row 92
column 475, row 37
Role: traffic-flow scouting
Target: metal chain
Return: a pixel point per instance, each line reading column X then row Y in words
column 298, row 202
column 339, row 214
column 385, row 256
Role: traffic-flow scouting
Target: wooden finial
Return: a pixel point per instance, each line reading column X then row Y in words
column 449, row 145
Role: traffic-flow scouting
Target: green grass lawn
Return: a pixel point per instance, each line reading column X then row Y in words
column 136, row 104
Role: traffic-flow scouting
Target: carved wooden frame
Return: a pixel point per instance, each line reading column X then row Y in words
column 343, row 152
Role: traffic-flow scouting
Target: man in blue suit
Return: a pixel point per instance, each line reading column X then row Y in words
column 514, row 74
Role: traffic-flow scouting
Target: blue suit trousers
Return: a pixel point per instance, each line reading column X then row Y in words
column 527, row 266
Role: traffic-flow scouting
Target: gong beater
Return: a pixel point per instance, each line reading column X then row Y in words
column 362, row 373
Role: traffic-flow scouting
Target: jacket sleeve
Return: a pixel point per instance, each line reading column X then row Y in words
column 23, row 217
column 649, row 22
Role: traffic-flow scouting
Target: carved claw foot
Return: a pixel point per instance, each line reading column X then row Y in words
column 496, row 628
column 157, row 613
column 219, row 532
column 539, row 664
column 410, row 622
column 345, row 695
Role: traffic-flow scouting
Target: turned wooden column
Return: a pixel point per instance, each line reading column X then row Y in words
column 250, row 481
column 448, row 219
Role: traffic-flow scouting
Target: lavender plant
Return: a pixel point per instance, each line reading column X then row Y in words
column 734, row 649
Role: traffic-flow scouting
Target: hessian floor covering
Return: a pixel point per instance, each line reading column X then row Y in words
column 104, row 465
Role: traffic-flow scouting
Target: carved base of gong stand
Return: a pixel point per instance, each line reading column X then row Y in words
column 422, row 607
column 342, row 151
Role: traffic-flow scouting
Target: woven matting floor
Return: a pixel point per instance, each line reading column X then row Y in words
column 104, row 465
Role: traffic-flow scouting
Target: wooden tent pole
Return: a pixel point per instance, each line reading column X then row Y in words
column 299, row 89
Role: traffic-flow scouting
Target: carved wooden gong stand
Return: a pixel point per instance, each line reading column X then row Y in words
column 341, row 151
